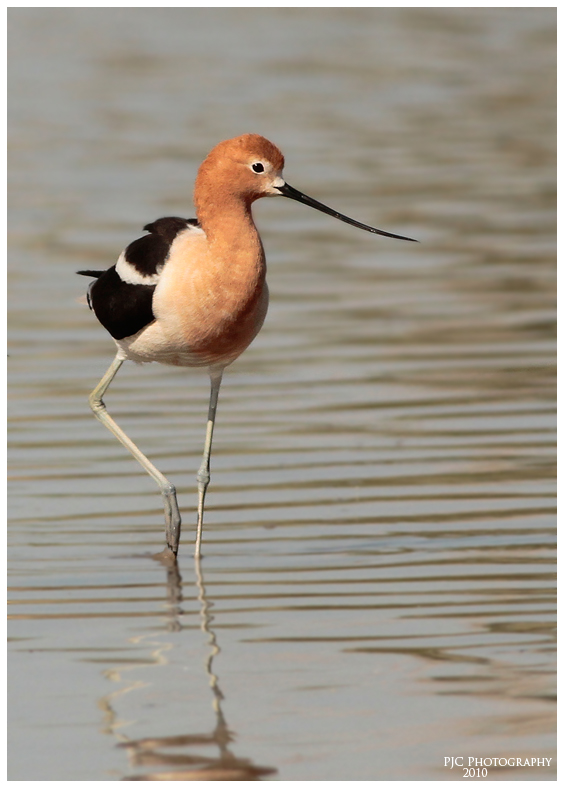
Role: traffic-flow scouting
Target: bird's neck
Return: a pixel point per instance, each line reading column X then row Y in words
column 233, row 239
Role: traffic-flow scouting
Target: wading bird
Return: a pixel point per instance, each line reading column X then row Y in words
column 192, row 292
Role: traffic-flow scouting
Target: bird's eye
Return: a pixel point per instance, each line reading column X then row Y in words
column 258, row 167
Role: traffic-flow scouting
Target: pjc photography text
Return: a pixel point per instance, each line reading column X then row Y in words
column 478, row 767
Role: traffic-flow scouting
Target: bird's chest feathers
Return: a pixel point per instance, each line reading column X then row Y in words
column 209, row 294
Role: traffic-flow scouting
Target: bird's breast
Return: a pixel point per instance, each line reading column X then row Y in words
column 212, row 306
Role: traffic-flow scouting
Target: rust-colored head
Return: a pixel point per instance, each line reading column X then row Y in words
column 246, row 167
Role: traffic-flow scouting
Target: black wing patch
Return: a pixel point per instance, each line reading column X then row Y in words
column 148, row 254
column 122, row 309
column 170, row 226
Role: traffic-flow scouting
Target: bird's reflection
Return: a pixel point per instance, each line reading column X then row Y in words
column 185, row 763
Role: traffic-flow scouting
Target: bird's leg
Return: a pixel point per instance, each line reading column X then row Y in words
column 203, row 476
column 172, row 515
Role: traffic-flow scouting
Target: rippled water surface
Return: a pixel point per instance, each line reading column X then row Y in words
column 377, row 590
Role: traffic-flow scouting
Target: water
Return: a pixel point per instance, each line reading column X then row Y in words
column 377, row 591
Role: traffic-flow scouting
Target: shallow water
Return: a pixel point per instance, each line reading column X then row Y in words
column 377, row 590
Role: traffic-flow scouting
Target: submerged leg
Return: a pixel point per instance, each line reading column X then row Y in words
column 203, row 476
column 172, row 515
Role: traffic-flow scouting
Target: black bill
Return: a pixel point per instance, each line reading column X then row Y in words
column 294, row 194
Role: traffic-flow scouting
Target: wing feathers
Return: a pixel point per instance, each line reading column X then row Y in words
column 122, row 296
